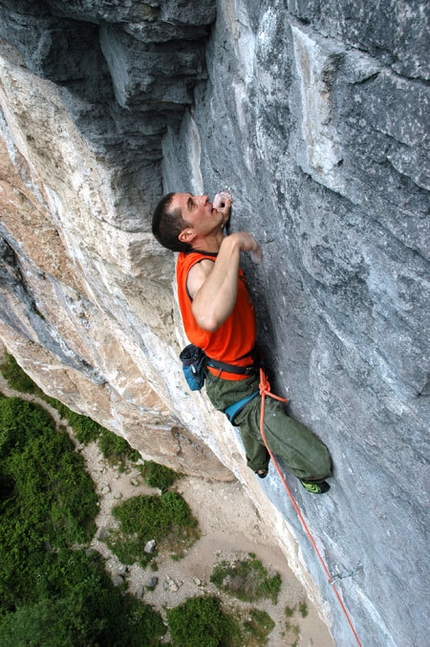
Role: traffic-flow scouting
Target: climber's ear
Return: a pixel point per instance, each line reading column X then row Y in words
column 187, row 235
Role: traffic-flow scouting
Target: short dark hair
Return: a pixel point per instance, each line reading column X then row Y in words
column 167, row 224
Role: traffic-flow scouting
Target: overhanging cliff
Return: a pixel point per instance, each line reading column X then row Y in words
column 315, row 116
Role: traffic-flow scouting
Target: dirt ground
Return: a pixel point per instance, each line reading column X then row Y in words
column 230, row 527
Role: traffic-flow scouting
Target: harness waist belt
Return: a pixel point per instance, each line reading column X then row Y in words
column 232, row 368
column 252, row 369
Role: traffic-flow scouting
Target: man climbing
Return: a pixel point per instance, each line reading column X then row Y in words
column 218, row 317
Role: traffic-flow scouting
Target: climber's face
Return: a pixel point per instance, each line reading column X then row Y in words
column 200, row 215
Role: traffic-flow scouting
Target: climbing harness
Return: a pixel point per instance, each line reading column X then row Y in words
column 251, row 369
column 265, row 391
column 233, row 409
column 194, row 362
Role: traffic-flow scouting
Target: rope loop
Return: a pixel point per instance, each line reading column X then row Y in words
column 265, row 388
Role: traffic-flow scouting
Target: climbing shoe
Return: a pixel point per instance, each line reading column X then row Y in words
column 316, row 487
column 262, row 473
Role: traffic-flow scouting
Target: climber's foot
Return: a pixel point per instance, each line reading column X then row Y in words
column 316, row 487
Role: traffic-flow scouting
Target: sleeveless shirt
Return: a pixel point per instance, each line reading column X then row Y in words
column 234, row 340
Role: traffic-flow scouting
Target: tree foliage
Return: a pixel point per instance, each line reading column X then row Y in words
column 246, row 579
column 166, row 518
column 16, row 378
column 78, row 606
column 159, row 476
column 51, row 592
column 200, row 622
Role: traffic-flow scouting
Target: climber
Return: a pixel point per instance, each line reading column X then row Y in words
column 218, row 317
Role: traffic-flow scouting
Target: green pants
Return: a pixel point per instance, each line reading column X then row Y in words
column 303, row 453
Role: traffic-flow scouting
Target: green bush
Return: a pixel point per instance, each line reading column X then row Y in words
column 289, row 612
column 84, row 429
column 302, row 608
column 247, row 580
column 48, row 501
column 52, row 595
column 159, row 476
column 78, row 606
column 166, row 518
column 200, row 622
column 257, row 627
column 16, row 378
column 116, row 449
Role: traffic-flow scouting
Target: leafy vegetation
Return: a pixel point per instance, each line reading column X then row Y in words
column 257, row 628
column 48, row 494
column 247, row 580
column 166, row 518
column 51, row 594
column 294, row 629
column 84, row 429
column 114, row 448
column 159, row 476
column 53, row 591
column 77, row 606
column 16, row 378
column 201, row 622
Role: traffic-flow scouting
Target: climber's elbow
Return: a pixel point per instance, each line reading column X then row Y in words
column 208, row 322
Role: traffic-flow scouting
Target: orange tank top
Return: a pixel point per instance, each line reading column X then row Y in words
column 235, row 338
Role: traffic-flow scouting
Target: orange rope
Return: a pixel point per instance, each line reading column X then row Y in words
column 265, row 390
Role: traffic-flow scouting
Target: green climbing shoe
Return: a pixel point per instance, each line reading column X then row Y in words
column 316, row 487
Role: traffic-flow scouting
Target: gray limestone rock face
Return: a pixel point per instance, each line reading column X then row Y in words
column 315, row 116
